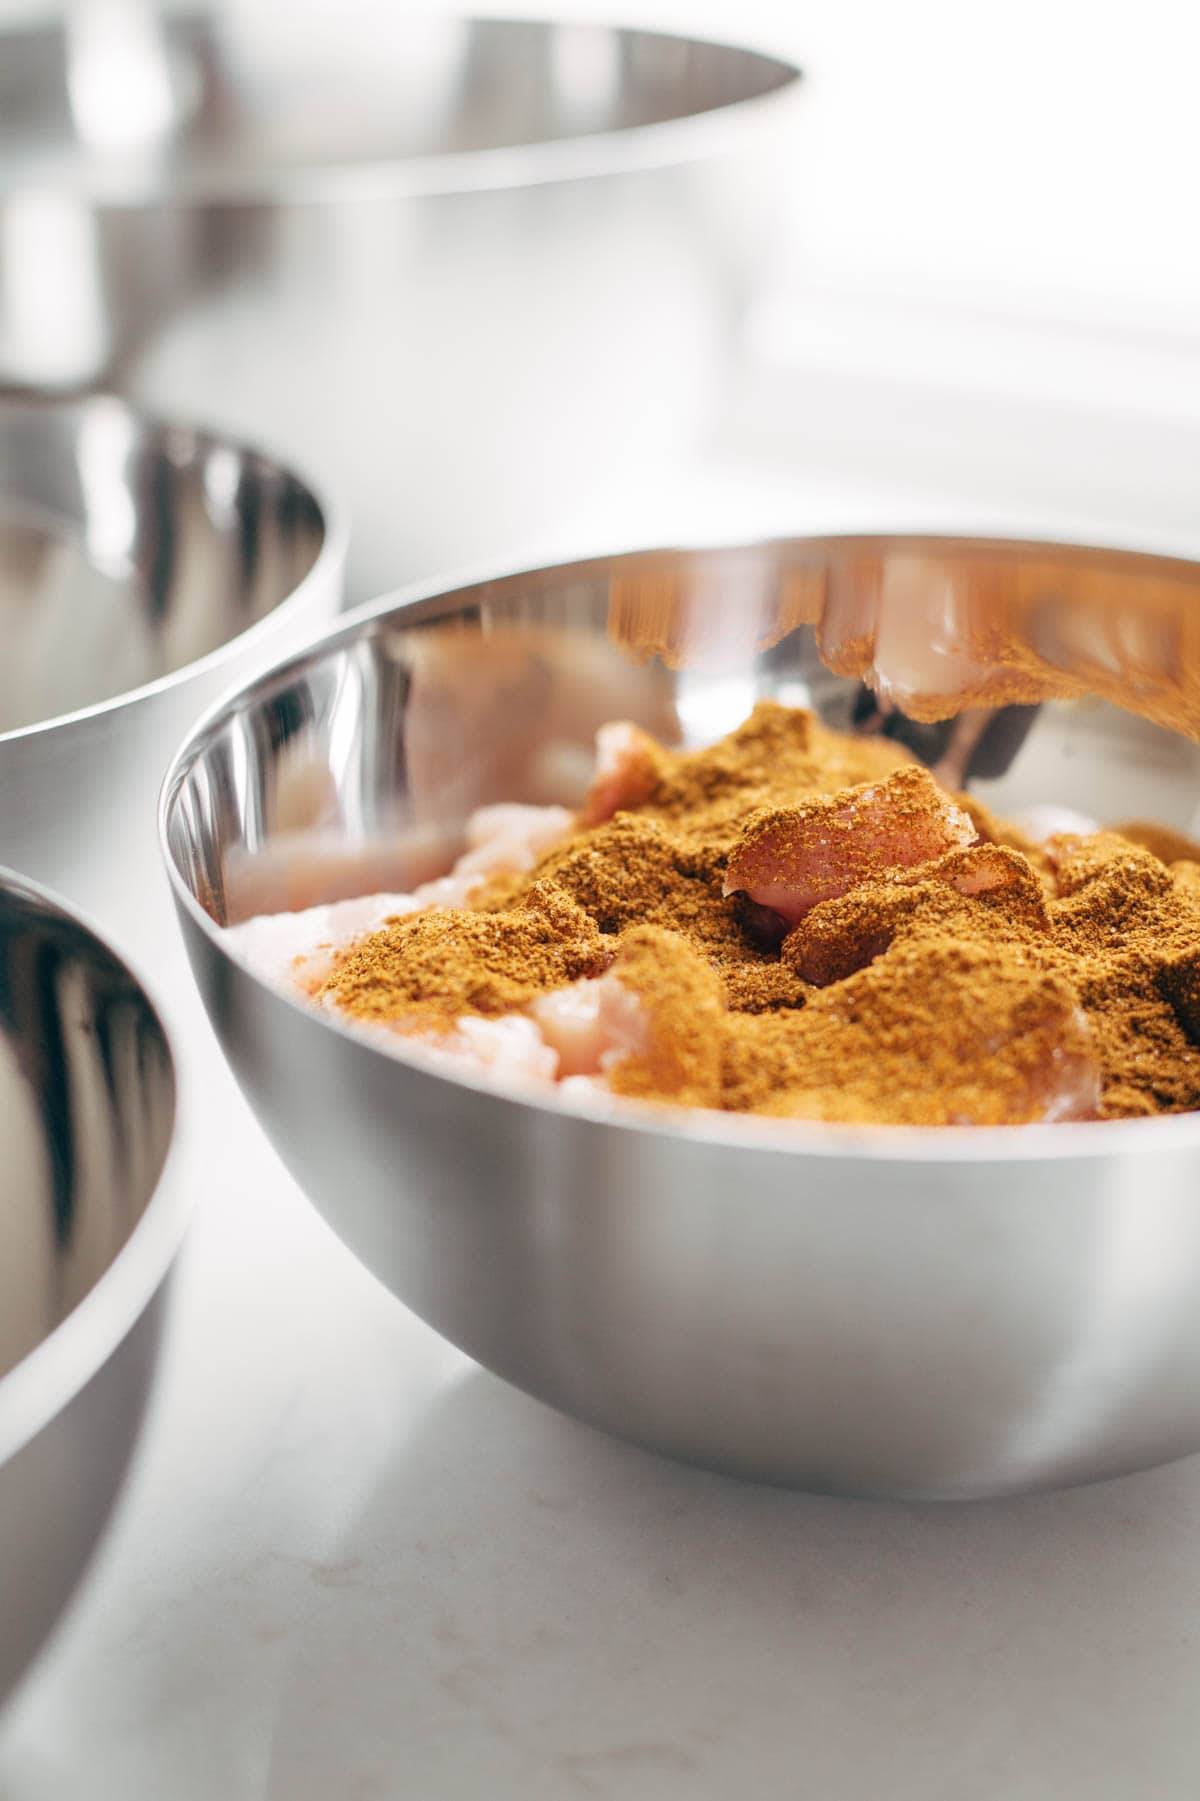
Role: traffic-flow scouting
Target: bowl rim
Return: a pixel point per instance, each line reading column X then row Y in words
column 44, row 1382
column 1081, row 1140
column 328, row 565
column 663, row 143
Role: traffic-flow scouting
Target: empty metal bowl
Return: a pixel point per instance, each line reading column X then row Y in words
column 469, row 270
column 953, row 1312
column 90, row 1220
column 143, row 567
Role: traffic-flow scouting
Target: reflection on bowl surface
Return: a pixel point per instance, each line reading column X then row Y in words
column 129, row 550
column 212, row 104
column 954, row 1312
column 87, row 1106
column 369, row 232
column 143, row 567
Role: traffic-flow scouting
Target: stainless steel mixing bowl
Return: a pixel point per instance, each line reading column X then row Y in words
column 90, row 1218
column 469, row 270
column 886, row 1311
column 143, row 568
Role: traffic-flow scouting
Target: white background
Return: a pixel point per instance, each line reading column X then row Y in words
column 1034, row 157
column 984, row 304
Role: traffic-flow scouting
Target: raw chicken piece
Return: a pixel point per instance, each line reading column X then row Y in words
column 790, row 859
column 446, row 891
column 592, row 1024
column 505, row 839
column 652, row 1023
column 509, row 838
column 1071, row 1086
column 593, row 1091
column 982, row 869
column 839, row 937
column 510, row 1047
column 627, row 769
column 1063, row 1078
column 296, row 949
column 302, row 870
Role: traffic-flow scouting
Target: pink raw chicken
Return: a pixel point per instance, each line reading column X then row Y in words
column 1071, row 1085
column 592, row 1025
column 832, row 941
column 789, row 859
column 627, row 768
column 981, row 869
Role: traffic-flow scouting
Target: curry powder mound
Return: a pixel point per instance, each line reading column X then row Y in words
column 905, row 1000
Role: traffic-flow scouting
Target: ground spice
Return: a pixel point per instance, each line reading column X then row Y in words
column 948, row 1036
column 789, row 858
column 1168, row 846
column 637, row 871
column 777, row 757
column 1129, row 932
column 685, row 1015
column 444, row 962
column 843, row 936
column 994, row 984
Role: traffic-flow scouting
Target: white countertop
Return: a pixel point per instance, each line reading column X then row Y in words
column 351, row 1564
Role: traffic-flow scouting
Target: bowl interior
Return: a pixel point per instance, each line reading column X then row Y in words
column 86, row 1113
column 207, row 98
column 129, row 550
column 353, row 770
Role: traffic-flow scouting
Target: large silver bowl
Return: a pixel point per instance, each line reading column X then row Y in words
column 143, row 568
column 91, row 1215
column 888, row 1311
column 472, row 270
